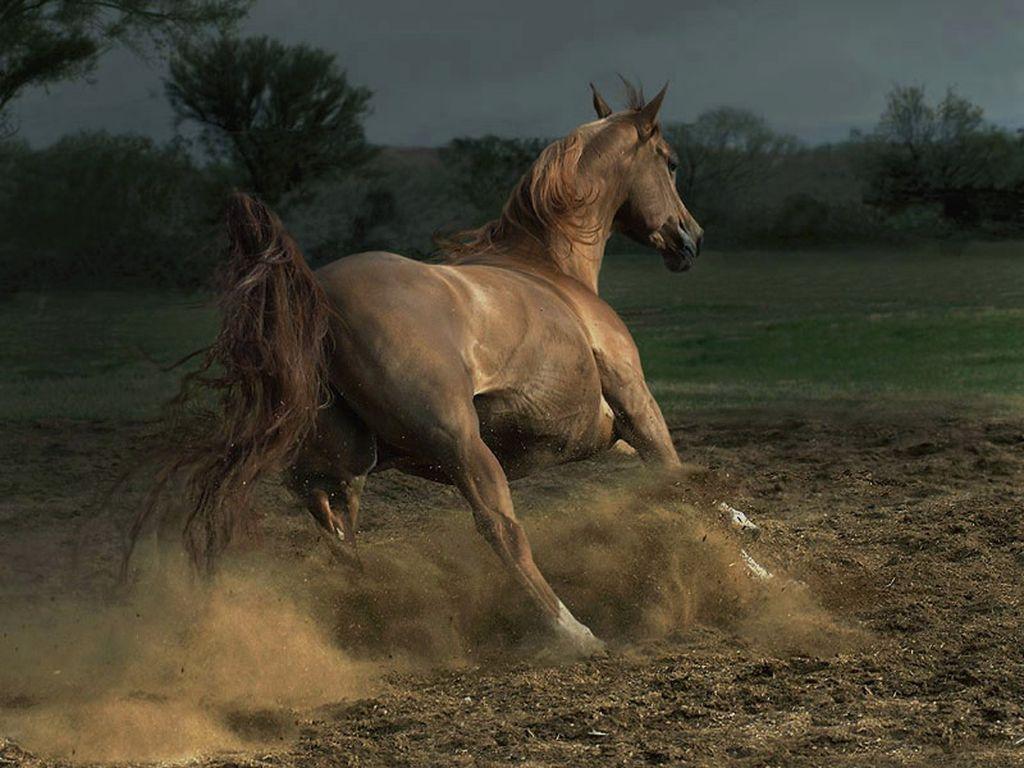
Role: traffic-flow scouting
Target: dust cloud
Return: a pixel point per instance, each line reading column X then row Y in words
column 174, row 671
column 178, row 669
column 634, row 565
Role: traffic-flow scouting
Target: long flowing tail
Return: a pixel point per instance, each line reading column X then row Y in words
column 267, row 375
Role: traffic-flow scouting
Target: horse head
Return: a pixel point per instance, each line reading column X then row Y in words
column 651, row 212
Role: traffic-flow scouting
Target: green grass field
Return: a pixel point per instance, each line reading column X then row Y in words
column 769, row 330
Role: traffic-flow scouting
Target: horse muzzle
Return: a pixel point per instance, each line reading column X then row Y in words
column 678, row 249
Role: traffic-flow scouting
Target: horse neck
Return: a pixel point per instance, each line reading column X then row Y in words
column 579, row 257
column 582, row 260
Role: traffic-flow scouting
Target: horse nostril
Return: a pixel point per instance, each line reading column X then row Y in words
column 689, row 244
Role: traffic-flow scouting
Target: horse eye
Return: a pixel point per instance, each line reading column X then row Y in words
column 672, row 165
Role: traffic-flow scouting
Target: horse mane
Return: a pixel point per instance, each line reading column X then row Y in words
column 545, row 204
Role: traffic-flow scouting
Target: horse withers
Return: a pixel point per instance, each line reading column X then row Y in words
column 499, row 361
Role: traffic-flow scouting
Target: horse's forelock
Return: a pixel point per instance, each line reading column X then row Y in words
column 634, row 95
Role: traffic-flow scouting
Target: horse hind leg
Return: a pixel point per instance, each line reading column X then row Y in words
column 349, row 511
column 429, row 412
column 341, row 519
column 330, row 471
column 336, row 521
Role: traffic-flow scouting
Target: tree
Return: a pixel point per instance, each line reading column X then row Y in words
column 721, row 154
column 943, row 155
column 284, row 114
column 907, row 120
column 96, row 209
column 485, row 170
column 46, row 41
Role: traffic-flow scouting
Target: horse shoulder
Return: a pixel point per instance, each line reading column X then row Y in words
column 610, row 340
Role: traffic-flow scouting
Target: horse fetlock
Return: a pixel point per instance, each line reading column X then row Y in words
column 574, row 635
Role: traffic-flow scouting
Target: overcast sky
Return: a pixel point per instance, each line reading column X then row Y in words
column 443, row 68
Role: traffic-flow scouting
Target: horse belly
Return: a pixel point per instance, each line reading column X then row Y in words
column 528, row 431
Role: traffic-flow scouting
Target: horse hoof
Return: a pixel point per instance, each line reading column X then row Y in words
column 579, row 645
column 592, row 646
column 754, row 568
column 576, row 638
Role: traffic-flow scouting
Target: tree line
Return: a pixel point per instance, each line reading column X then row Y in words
column 285, row 122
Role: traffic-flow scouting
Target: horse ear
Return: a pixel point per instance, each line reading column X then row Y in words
column 600, row 105
column 648, row 116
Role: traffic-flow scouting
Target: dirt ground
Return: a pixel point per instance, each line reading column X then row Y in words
column 901, row 647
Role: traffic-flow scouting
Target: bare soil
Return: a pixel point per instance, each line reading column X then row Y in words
column 906, row 530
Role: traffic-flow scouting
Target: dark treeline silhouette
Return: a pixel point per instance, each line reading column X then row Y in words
column 285, row 122
column 946, row 161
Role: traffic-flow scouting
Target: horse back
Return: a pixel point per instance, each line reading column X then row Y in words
column 497, row 323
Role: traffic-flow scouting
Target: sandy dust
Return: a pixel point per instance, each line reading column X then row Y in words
column 175, row 669
column 906, row 531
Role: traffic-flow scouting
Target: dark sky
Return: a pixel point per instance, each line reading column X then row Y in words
column 441, row 68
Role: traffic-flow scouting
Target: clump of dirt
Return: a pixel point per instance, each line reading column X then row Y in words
column 641, row 568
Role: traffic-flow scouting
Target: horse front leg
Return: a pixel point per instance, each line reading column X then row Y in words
column 639, row 422
column 638, row 419
column 479, row 476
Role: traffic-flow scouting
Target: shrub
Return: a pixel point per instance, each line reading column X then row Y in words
column 97, row 209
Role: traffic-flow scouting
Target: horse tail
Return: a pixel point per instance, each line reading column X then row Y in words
column 267, row 373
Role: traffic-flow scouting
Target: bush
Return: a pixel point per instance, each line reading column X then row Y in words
column 95, row 209
column 802, row 217
column 397, row 204
column 484, row 170
column 428, row 199
column 924, row 221
column 334, row 217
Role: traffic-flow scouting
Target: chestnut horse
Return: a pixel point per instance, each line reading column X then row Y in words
column 497, row 362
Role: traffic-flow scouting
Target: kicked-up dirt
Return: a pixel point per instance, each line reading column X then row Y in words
column 890, row 634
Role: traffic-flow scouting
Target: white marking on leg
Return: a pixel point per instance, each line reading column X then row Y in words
column 739, row 522
column 577, row 634
column 623, row 448
column 568, row 622
column 757, row 570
